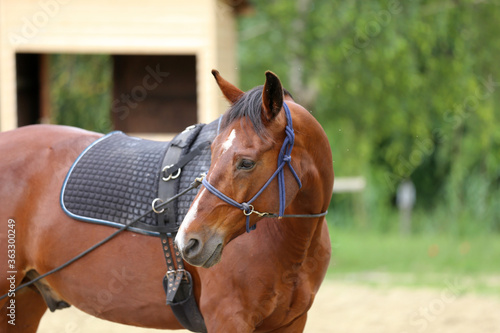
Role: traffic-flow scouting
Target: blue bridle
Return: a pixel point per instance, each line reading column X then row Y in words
column 284, row 158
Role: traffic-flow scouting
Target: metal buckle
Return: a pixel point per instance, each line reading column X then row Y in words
column 250, row 212
column 174, row 272
column 171, row 176
column 201, row 177
column 153, row 204
column 253, row 211
column 189, row 128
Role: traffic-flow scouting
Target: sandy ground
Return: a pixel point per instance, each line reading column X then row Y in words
column 352, row 308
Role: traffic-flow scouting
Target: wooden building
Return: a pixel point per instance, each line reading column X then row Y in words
column 163, row 52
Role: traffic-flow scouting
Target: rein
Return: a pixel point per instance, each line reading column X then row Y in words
column 284, row 158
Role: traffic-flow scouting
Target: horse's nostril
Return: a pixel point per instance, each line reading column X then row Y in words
column 192, row 247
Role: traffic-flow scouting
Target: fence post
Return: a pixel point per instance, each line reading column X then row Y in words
column 405, row 200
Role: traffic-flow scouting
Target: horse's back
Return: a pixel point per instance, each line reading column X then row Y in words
column 33, row 138
column 27, row 148
column 32, row 153
column 35, row 160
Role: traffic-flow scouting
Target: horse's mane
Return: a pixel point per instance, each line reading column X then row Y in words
column 249, row 107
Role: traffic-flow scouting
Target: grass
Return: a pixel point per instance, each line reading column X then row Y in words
column 417, row 260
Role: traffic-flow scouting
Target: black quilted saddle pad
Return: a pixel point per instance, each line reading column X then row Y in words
column 115, row 180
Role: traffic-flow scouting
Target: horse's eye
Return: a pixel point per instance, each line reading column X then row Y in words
column 245, row 164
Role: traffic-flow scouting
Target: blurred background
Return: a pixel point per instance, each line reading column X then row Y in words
column 408, row 93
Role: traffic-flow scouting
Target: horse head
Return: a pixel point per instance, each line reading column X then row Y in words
column 254, row 173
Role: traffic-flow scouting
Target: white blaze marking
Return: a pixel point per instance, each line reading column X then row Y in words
column 190, row 217
column 229, row 142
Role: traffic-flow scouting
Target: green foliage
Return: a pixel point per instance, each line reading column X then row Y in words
column 404, row 90
column 81, row 91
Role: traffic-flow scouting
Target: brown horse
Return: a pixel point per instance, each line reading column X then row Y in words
column 262, row 281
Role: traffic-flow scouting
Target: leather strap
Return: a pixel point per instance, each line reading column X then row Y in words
column 174, row 169
column 178, row 285
column 169, row 178
column 185, row 307
column 173, row 258
column 177, row 282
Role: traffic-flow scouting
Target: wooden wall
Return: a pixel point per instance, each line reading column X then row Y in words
column 154, row 94
column 202, row 28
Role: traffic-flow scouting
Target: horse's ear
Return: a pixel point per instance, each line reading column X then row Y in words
column 231, row 92
column 272, row 96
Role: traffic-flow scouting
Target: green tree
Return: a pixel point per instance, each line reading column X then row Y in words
column 404, row 89
column 81, row 90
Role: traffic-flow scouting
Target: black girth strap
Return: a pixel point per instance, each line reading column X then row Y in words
column 186, row 309
column 173, row 276
column 174, row 169
column 178, row 285
column 177, row 282
column 175, row 158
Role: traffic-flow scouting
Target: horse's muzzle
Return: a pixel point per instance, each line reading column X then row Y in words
column 198, row 251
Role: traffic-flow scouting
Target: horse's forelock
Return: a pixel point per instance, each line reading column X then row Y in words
column 249, row 107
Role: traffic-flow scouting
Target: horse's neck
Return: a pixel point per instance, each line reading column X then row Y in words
column 303, row 235
column 295, row 237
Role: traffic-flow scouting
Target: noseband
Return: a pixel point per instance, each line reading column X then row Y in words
column 284, row 158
